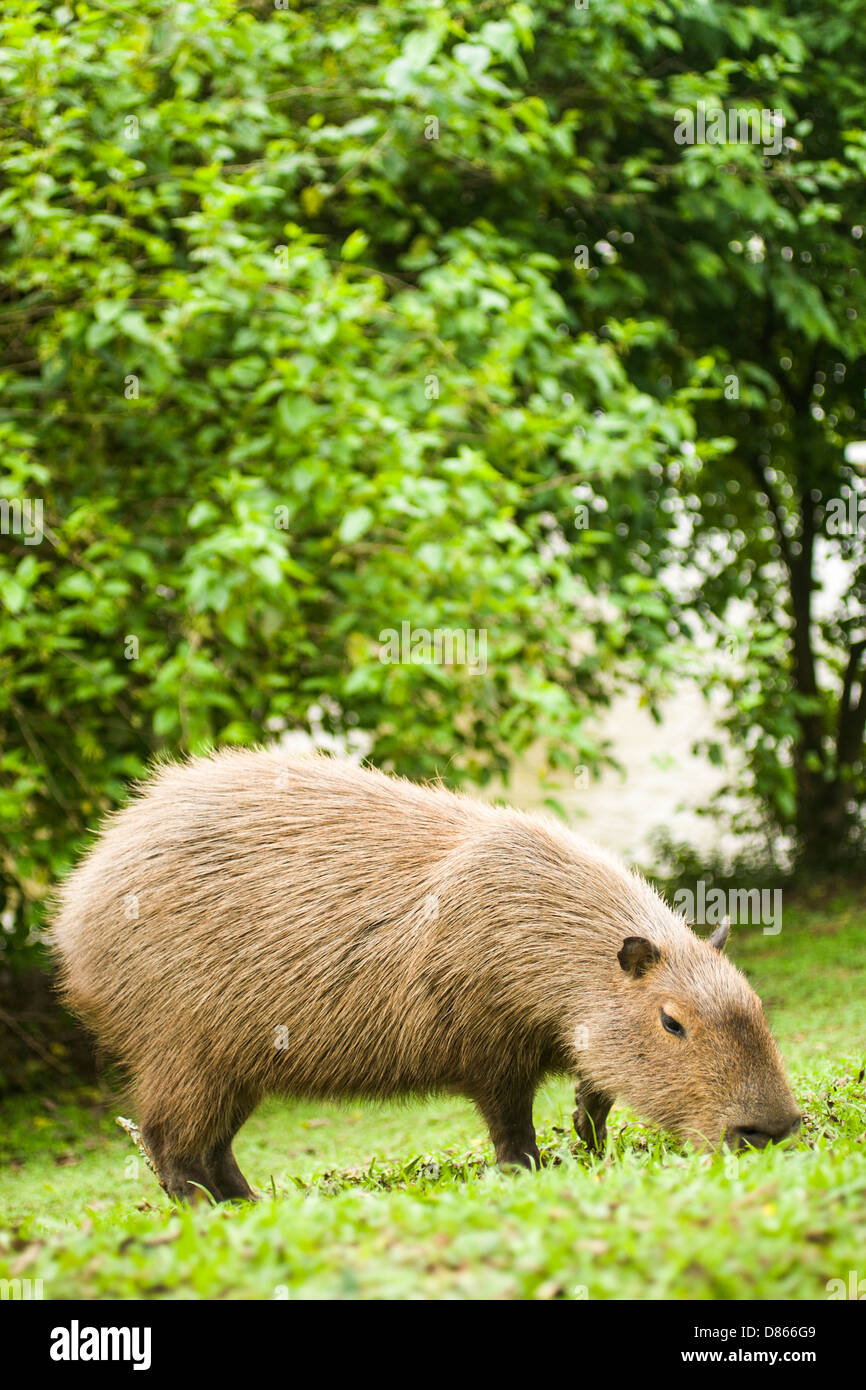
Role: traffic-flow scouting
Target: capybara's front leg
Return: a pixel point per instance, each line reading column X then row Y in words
column 509, row 1119
column 590, row 1117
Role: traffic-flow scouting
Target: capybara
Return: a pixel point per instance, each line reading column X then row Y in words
column 254, row 922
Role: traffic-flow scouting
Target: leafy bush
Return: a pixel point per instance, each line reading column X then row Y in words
column 267, row 423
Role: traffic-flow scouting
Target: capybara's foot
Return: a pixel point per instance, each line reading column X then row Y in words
column 196, row 1180
column 531, row 1159
column 590, row 1117
column 187, row 1180
column 518, row 1152
column 201, row 1170
column 593, row 1135
column 227, row 1181
column 179, row 1178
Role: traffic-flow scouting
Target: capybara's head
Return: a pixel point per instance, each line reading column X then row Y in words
column 696, row 1054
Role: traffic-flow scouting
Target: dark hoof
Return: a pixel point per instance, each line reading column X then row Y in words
column 530, row 1160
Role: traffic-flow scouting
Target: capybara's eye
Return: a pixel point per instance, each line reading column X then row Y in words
column 670, row 1025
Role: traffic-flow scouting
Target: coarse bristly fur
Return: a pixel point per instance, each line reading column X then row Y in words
column 257, row 923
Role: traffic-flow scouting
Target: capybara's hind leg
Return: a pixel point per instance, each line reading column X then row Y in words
column 227, row 1179
column 182, row 1172
column 187, row 1123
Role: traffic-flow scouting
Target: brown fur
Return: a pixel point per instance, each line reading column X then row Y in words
column 405, row 940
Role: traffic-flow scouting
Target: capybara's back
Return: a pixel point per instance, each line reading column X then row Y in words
column 253, row 922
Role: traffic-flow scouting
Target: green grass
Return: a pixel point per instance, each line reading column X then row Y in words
column 401, row 1202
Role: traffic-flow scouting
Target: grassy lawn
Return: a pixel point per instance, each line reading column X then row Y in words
column 399, row 1202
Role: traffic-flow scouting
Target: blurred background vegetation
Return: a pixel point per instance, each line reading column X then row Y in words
column 319, row 318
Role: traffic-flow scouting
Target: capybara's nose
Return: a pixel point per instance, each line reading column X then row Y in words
column 751, row 1137
column 746, row 1138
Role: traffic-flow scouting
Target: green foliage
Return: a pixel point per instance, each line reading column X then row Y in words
column 272, row 412
column 750, row 257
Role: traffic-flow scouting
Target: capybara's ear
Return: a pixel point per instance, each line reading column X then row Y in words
column 720, row 935
column 637, row 956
